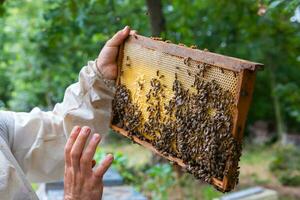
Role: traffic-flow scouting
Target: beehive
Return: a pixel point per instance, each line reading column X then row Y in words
column 184, row 104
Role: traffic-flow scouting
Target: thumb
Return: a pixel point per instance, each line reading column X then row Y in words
column 119, row 37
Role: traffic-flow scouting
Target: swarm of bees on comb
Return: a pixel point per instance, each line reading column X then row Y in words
column 194, row 124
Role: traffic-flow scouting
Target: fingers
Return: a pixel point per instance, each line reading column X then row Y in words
column 81, row 183
column 88, row 154
column 118, row 38
column 78, row 147
column 70, row 143
column 107, row 59
column 103, row 167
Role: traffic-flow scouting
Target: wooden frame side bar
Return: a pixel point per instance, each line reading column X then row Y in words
column 243, row 101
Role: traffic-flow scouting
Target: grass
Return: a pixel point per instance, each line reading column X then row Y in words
column 209, row 193
column 254, row 166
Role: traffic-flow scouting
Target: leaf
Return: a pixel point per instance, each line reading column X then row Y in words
column 274, row 4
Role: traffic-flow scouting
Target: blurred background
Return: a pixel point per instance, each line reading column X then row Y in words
column 45, row 43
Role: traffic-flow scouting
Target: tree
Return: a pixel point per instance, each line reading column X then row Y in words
column 157, row 18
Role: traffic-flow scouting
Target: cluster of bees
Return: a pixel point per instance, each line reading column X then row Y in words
column 194, row 125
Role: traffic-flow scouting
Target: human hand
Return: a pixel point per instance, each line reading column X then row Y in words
column 80, row 180
column 107, row 59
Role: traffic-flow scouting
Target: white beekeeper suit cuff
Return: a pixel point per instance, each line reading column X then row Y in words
column 109, row 83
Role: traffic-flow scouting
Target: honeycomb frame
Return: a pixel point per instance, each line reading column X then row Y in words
column 235, row 75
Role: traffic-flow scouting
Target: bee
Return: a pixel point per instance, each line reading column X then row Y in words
column 186, row 60
column 204, row 155
column 141, row 85
column 193, row 46
column 177, row 67
column 152, row 82
column 157, row 73
column 161, row 76
column 202, row 74
column 181, row 44
column 168, row 41
column 189, row 72
column 149, row 109
column 157, row 38
column 222, row 70
column 128, row 63
column 147, row 97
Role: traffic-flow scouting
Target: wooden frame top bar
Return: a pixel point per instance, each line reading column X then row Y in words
column 218, row 60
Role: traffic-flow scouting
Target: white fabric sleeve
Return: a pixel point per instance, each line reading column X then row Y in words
column 38, row 139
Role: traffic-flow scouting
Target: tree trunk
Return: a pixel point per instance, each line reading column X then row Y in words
column 277, row 108
column 1, row 8
column 156, row 17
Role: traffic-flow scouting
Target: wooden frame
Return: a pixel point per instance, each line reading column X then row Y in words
column 246, row 77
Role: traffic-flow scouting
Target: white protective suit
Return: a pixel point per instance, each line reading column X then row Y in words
column 32, row 144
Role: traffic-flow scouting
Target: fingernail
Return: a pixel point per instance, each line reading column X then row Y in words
column 77, row 128
column 87, row 131
column 96, row 137
column 109, row 157
column 126, row 27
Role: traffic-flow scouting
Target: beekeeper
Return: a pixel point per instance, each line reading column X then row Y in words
column 34, row 147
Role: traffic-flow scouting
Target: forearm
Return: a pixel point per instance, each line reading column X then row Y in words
column 87, row 102
column 39, row 137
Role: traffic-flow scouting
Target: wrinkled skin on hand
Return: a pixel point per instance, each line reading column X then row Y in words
column 81, row 181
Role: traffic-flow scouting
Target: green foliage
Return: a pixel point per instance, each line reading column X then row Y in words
column 209, row 193
column 290, row 98
column 155, row 180
column 158, row 180
column 120, row 163
column 285, row 6
column 286, row 166
column 53, row 39
column 4, row 89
